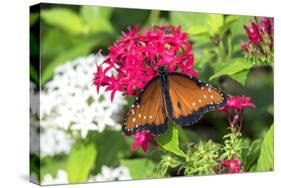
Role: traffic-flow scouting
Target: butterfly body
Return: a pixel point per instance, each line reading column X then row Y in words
column 171, row 96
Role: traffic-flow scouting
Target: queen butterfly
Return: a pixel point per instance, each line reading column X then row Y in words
column 175, row 96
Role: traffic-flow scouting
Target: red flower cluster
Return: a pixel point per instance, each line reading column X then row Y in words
column 237, row 103
column 260, row 34
column 233, row 165
column 142, row 139
column 136, row 56
column 237, row 106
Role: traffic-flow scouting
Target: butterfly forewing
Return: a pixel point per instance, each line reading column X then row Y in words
column 191, row 98
column 148, row 111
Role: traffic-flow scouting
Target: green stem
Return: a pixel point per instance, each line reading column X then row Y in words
column 154, row 16
column 221, row 51
column 229, row 47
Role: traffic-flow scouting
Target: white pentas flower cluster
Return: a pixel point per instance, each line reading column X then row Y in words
column 112, row 174
column 45, row 140
column 61, row 178
column 69, row 102
column 106, row 174
column 54, row 141
column 34, row 119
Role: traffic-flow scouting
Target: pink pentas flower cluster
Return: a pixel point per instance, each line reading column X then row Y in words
column 236, row 106
column 237, row 103
column 260, row 35
column 136, row 56
column 233, row 165
column 141, row 140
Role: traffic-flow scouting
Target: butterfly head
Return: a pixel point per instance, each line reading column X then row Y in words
column 162, row 71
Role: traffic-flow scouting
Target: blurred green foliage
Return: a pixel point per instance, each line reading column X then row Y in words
column 68, row 32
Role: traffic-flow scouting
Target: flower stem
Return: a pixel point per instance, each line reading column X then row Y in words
column 154, row 16
column 229, row 48
column 241, row 119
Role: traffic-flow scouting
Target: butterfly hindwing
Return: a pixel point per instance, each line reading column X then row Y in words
column 191, row 98
column 148, row 111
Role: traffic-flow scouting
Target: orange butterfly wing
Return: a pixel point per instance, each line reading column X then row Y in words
column 148, row 112
column 191, row 98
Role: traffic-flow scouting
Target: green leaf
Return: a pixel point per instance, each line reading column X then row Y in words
column 81, row 160
column 50, row 47
column 189, row 136
column 193, row 23
column 111, row 146
column 170, row 140
column 215, row 21
column 80, row 50
column 229, row 20
column 266, row 158
column 235, row 66
column 270, row 109
column 123, row 18
column 34, row 46
column 253, row 168
column 252, row 155
column 51, row 165
column 240, row 77
column 35, row 164
column 139, row 168
column 33, row 18
column 65, row 19
column 98, row 18
column 237, row 27
column 33, row 74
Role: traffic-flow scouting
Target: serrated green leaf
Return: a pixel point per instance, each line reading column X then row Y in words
column 65, row 19
column 97, row 18
column 266, row 158
column 215, row 21
column 139, row 168
column 81, row 160
column 236, row 66
column 170, row 140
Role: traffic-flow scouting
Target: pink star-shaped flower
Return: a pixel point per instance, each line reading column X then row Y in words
column 135, row 57
column 142, row 139
column 233, row 165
